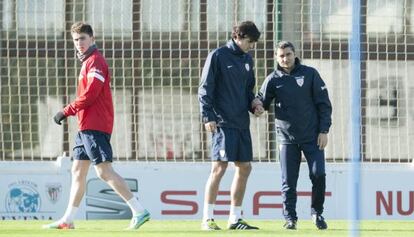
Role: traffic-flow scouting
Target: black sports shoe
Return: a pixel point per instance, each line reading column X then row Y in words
column 241, row 225
column 319, row 221
column 290, row 225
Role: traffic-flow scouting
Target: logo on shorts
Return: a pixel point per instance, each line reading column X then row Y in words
column 53, row 191
column 222, row 153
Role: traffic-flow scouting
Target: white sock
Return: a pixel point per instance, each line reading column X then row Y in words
column 70, row 214
column 135, row 206
column 235, row 214
column 208, row 211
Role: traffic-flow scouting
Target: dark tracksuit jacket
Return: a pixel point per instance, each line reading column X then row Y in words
column 302, row 106
column 226, row 88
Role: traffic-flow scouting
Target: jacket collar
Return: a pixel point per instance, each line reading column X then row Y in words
column 89, row 52
column 234, row 48
column 281, row 72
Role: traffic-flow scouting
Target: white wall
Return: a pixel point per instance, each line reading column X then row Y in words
column 175, row 191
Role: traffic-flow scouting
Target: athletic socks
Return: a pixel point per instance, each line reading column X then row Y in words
column 135, row 206
column 235, row 214
column 70, row 214
column 208, row 211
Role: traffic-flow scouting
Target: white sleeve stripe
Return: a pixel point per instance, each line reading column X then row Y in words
column 97, row 76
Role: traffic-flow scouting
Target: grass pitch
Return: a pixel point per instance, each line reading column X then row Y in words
column 156, row 228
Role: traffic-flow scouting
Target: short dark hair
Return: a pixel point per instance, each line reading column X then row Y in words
column 81, row 27
column 246, row 29
column 285, row 44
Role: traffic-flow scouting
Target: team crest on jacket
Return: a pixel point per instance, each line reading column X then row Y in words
column 300, row 80
column 247, row 66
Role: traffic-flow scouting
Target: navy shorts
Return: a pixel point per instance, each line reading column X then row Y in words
column 231, row 144
column 94, row 146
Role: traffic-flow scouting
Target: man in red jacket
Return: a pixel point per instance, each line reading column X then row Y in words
column 94, row 108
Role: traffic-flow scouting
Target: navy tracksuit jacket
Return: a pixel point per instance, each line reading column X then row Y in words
column 302, row 106
column 226, row 89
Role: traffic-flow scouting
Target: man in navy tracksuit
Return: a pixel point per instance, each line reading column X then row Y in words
column 226, row 97
column 303, row 118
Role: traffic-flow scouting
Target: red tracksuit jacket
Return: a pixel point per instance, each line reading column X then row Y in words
column 93, row 104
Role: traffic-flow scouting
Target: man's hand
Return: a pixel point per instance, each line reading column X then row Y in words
column 257, row 107
column 211, row 126
column 59, row 117
column 322, row 140
column 259, row 110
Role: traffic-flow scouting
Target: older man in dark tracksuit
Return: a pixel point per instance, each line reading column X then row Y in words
column 303, row 118
column 226, row 97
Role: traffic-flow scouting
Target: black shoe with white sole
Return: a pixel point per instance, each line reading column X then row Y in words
column 242, row 225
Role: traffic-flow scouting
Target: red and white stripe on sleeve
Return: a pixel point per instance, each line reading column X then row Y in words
column 96, row 73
